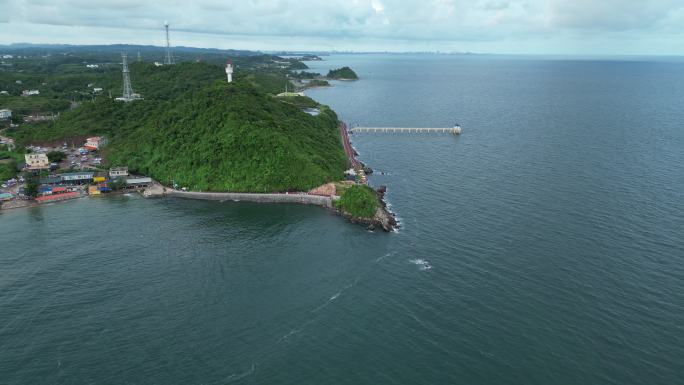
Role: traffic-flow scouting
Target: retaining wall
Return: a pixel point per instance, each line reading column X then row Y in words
column 251, row 197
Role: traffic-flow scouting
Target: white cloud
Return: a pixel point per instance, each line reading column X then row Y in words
column 324, row 24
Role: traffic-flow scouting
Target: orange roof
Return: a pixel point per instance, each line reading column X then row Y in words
column 57, row 197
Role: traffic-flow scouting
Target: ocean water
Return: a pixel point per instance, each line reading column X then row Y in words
column 544, row 245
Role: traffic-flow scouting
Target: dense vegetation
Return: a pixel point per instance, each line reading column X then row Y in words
column 344, row 73
column 317, row 83
column 359, row 201
column 196, row 130
column 191, row 128
column 300, row 101
column 8, row 163
column 8, row 169
column 64, row 81
column 234, row 138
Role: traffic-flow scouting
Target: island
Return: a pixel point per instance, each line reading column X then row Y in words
column 344, row 73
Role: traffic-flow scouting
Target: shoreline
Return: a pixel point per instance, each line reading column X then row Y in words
column 382, row 219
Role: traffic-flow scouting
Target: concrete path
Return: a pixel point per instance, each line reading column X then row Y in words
column 254, row 197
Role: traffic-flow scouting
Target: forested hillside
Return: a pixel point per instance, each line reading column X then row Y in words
column 205, row 134
column 234, row 138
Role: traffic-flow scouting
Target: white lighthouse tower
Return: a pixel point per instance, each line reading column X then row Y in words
column 229, row 71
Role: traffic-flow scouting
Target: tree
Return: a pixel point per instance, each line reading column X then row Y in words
column 56, row 156
column 32, row 182
column 117, row 184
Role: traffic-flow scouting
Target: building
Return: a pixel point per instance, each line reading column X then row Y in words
column 77, row 177
column 5, row 197
column 50, row 181
column 95, row 143
column 37, row 161
column 138, row 182
column 92, row 66
column 30, row 92
column 290, row 94
column 117, row 172
column 58, row 197
column 5, row 114
column 4, row 92
column 97, row 89
column 229, row 71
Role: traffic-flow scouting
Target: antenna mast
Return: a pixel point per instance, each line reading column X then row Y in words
column 168, row 59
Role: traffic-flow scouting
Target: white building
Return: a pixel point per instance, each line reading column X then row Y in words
column 92, row 66
column 95, row 143
column 229, row 71
column 97, row 89
column 30, row 92
column 5, row 114
column 116, row 172
column 37, row 161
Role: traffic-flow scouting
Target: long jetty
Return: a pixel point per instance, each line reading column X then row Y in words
column 301, row 198
column 406, row 130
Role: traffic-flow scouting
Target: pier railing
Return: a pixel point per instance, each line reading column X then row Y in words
column 407, row 130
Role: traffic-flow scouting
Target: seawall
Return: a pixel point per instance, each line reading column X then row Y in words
column 253, row 197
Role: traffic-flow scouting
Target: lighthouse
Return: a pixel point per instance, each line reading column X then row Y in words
column 229, row 71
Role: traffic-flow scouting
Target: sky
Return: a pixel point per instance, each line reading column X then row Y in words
column 565, row 27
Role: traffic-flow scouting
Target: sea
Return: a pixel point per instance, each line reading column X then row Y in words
column 544, row 245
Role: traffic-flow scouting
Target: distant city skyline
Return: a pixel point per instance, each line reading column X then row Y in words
column 581, row 27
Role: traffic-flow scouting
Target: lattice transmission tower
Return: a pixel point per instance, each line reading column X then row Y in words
column 127, row 89
column 168, row 59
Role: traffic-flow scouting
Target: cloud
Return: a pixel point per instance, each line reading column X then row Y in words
column 413, row 23
column 611, row 14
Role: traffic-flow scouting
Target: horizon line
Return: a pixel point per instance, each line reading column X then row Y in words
column 314, row 51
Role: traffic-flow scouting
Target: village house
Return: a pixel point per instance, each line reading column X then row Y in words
column 5, row 114
column 117, row 172
column 37, row 161
column 95, row 143
column 30, row 92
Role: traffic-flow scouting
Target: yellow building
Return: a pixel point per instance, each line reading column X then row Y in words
column 37, row 161
column 93, row 190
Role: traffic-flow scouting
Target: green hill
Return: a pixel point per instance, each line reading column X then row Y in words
column 204, row 134
column 344, row 73
column 234, row 138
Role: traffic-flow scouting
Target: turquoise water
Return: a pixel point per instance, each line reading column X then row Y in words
column 544, row 245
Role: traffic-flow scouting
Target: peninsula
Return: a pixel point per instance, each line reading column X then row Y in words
column 192, row 131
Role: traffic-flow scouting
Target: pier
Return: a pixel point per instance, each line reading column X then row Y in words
column 456, row 130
